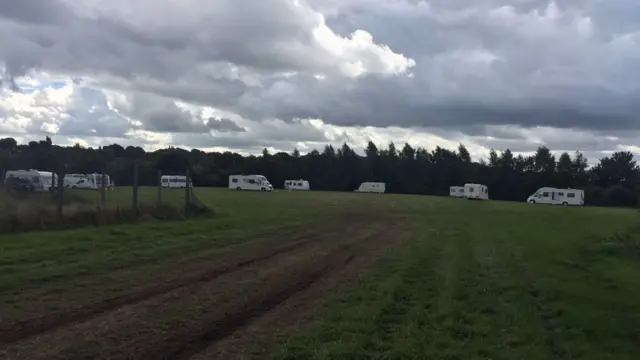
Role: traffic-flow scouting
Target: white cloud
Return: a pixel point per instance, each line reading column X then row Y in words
column 244, row 75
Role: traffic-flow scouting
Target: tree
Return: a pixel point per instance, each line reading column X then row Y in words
column 463, row 153
column 544, row 161
column 612, row 181
column 8, row 144
column 619, row 169
column 564, row 168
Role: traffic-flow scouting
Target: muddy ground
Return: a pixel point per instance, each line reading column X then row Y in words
column 237, row 307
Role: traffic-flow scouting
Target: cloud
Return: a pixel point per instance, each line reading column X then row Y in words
column 224, row 125
column 171, row 40
column 242, row 74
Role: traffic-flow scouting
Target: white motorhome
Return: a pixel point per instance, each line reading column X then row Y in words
column 372, row 187
column 43, row 181
column 174, row 181
column 553, row 196
column 296, row 185
column 82, row 184
column 249, row 182
column 94, row 181
column 456, row 191
column 72, row 179
column 476, row 192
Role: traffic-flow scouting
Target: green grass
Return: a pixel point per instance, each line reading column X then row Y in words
column 476, row 280
column 88, row 264
column 489, row 280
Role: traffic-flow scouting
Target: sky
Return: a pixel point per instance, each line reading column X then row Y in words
column 244, row 75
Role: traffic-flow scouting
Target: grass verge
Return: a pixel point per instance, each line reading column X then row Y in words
column 31, row 212
column 489, row 280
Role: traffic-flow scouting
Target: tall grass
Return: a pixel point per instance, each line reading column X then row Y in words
column 22, row 212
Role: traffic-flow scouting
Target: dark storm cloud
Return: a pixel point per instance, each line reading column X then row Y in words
column 261, row 135
column 35, row 11
column 224, row 125
column 568, row 65
column 161, row 115
column 275, row 35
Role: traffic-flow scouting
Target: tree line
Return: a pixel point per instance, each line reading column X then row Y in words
column 613, row 181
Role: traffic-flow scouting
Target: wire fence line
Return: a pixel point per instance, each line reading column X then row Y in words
column 40, row 196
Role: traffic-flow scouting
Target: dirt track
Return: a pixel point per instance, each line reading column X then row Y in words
column 214, row 312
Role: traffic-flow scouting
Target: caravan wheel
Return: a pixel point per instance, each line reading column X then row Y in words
column 565, row 203
column 532, row 201
column 238, row 188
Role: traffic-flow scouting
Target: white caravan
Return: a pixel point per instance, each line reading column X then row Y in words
column 174, row 181
column 553, row 196
column 296, row 185
column 476, row 191
column 43, row 181
column 456, row 191
column 249, row 182
column 372, row 187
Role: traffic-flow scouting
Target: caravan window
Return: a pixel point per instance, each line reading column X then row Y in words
column 470, row 189
column 251, row 181
column 545, row 194
column 560, row 194
column 234, row 180
column 571, row 195
column 299, row 184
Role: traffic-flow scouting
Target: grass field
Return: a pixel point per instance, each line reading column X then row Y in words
column 315, row 275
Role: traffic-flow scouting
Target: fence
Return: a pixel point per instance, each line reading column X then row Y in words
column 60, row 203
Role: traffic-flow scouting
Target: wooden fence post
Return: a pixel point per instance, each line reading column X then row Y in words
column 135, row 188
column 187, row 191
column 60, row 192
column 103, row 188
column 159, row 187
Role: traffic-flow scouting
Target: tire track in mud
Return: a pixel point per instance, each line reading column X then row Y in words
column 262, row 335
column 131, row 331
column 188, row 343
column 21, row 330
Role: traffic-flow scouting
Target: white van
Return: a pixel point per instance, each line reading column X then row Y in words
column 83, row 184
column 553, row 196
column 296, row 185
column 372, row 187
column 72, row 179
column 456, row 191
column 249, row 182
column 476, row 192
column 174, row 181
column 43, row 181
